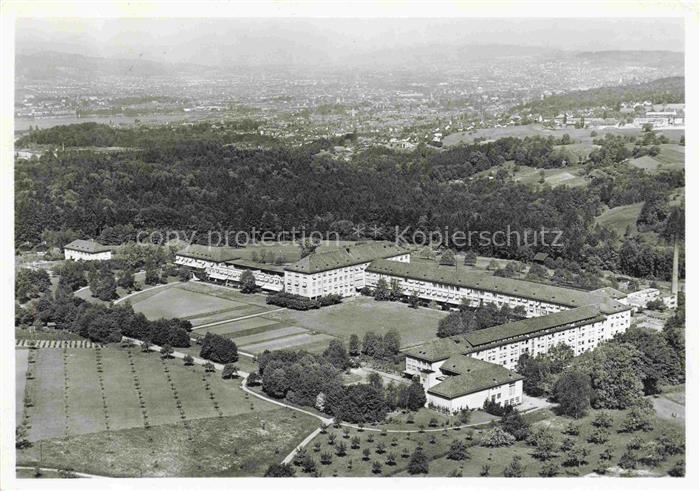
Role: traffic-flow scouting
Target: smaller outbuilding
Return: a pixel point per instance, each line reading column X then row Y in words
column 87, row 250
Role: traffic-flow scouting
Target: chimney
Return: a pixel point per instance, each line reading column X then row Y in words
column 674, row 279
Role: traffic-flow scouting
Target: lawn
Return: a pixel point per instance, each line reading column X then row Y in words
column 359, row 315
column 242, row 445
column 178, row 302
column 620, row 217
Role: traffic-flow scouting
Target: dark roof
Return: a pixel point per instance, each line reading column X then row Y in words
column 525, row 327
column 345, row 256
column 441, row 349
column 438, row 349
column 471, row 375
column 456, row 276
column 248, row 264
column 210, row 253
column 89, row 246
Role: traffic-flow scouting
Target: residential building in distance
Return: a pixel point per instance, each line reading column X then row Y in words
column 87, row 250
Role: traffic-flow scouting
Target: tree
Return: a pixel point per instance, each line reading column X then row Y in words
column 415, row 395
column 341, row 449
column 152, row 275
column 209, row 367
column 470, row 258
column 458, row 451
column 514, row 468
column 280, row 470
column 545, row 445
column 230, row 371
column 326, row 458
column 308, row 464
column 376, row 467
column 418, row 462
column 336, row 354
column 218, row 349
column 573, row 392
column 354, row 345
column 247, row 281
column 447, row 258
column 188, row 360
column 391, row 343
column 366, row 453
column 166, row 351
column 615, row 375
column 381, row 292
column 512, row 422
column 659, row 362
column 184, row 273
column 413, row 300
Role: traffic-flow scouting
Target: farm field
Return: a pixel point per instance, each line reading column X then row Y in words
column 620, row 217
column 71, row 396
column 436, row 444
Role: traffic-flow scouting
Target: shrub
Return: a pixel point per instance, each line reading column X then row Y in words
column 637, row 418
column 280, row 470
column 497, row 437
column 549, row 469
column 458, row 451
column 602, row 420
column 291, row 301
column 253, row 380
column 230, row 371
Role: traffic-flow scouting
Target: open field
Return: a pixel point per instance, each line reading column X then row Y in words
column 272, row 328
column 620, row 217
column 72, row 396
column 436, row 445
column 578, row 134
column 359, row 315
column 671, row 157
column 569, row 175
column 242, row 445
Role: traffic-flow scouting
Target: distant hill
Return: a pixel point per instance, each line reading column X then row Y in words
column 52, row 65
column 661, row 59
column 660, row 91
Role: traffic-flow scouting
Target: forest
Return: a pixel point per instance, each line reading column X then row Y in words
column 202, row 183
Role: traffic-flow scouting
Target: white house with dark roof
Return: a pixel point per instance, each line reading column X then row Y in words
column 462, row 382
column 87, row 250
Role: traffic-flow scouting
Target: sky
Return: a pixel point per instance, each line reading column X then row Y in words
column 255, row 41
